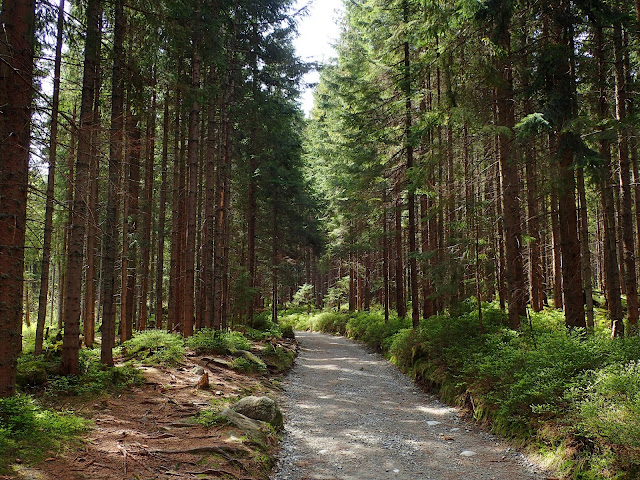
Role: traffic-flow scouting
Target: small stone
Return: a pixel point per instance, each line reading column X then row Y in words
column 454, row 430
column 433, row 423
column 219, row 393
column 468, row 453
column 395, row 470
column 197, row 370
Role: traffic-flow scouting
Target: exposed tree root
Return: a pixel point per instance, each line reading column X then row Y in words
column 225, row 451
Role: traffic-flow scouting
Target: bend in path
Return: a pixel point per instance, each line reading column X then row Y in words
column 350, row 415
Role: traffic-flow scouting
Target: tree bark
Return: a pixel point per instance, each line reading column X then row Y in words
column 557, row 256
column 16, row 76
column 110, row 237
column 209, row 207
column 252, row 207
column 70, row 346
column 48, row 216
column 174, row 283
column 385, row 255
column 626, row 217
column 146, row 212
column 411, row 196
column 130, row 230
column 562, row 92
column 517, row 297
column 401, row 305
column 89, row 310
column 605, row 181
column 585, row 250
column 193, row 150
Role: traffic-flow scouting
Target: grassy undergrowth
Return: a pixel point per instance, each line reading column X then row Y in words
column 30, row 432
column 571, row 397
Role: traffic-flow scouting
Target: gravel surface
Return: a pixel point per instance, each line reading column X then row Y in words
column 349, row 415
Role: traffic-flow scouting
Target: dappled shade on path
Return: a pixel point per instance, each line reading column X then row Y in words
column 350, row 415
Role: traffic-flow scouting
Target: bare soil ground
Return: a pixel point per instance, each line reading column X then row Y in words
column 149, row 432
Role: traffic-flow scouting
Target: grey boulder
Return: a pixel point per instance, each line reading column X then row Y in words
column 260, row 408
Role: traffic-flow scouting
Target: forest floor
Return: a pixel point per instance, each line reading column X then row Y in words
column 351, row 415
column 150, row 432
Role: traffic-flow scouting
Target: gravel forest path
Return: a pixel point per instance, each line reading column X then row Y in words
column 350, row 415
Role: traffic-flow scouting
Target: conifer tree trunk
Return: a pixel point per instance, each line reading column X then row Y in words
column 252, row 207
column 605, row 180
column 385, row 255
column 16, row 75
column 146, row 212
column 274, row 264
column 411, row 197
column 48, row 216
column 220, row 212
column 182, row 220
column 401, row 305
column 491, row 267
column 619, row 234
column 131, row 217
column 199, row 274
column 162, row 216
column 62, row 284
column 110, row 237
column 562, row 90
column 223, row 191
column 70, row 347
column 625, row 182
column 425, row 214
column 557, row 257
column 174, row 284
column 570, row 244
column 366, row 300
column 89, row 310
column 209, row 208
column 585, row 249
column 510, row 181
column 534, row 228
column 633, row 142
column 500, row 250
column 534, row 224
column 352, row 283
column 193, row 150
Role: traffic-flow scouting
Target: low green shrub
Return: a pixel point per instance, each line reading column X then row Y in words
column 248, row 365
column 210, row 416
column 277, row 357
column 330, row 322
column 28, row 430
column 370, row 327
column 295, row 320
column 94, row 378
column 209, row 341
column 607, row 406
column 155, row 347
column 262, row 321
column 287, row 332
column 33, row 372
